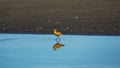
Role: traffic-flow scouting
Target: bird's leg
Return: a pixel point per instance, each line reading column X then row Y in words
column 58, row 39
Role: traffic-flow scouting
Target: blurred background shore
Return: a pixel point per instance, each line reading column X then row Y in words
column 92, row 17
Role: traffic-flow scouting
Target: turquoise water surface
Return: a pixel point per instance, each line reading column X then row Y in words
column 79, row 51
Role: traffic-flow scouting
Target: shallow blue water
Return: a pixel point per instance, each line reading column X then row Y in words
column 79, row 51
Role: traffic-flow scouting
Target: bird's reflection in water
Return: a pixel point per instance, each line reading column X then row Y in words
column 58, row 44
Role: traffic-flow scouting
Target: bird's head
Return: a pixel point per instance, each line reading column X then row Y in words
column 54, row 29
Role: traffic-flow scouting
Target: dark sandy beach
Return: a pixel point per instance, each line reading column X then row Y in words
column 91, row 17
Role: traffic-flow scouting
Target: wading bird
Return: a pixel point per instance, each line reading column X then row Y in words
column 57, row 34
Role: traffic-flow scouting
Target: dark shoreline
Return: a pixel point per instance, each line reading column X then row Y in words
column 64, row 34
column 78, row 17
column 47, row 28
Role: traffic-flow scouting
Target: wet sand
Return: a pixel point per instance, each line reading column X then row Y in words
column 91, row 17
